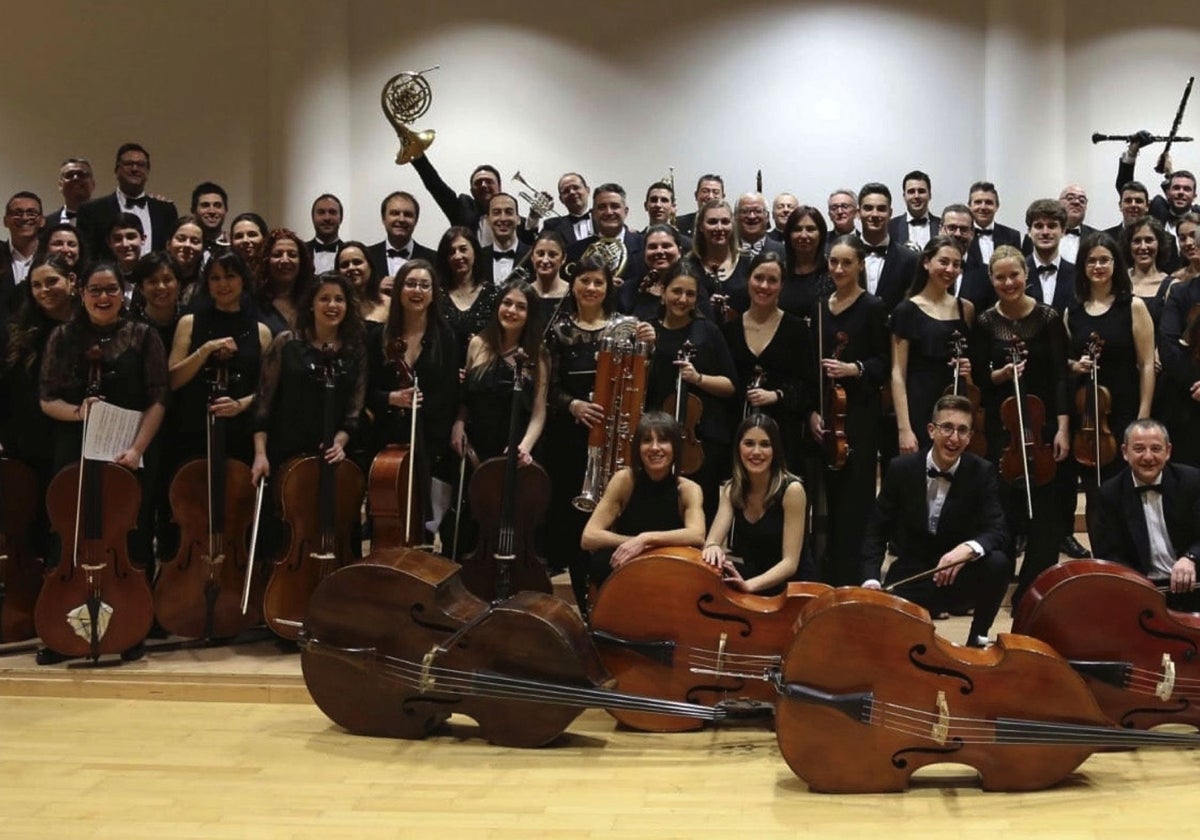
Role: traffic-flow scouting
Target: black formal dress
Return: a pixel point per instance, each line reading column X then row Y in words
column 759, row 544
column 465, row 323
column 929, row 371
column 652, row 506
column 799, row 293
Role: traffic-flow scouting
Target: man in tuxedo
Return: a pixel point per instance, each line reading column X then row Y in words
column 577, row 223
column 984, row 202
column 1051, row 278
column 210, row 204
column 750, row 215
column 469, row 211
column 1135, row 204
column 890, row 265
column 843, row 212
column 124, row 242
column 781, row 209
column 660, row 203
column 1074, row 201
column 612, row 237
column 1150, row 514
column 975, row 282
column 400, row 213
column 918, row 225
column 506, row 250
column 1179, row 186
column 96, row 217
column 23, row 220
column 326, row 213
column 709, row 187
column 76, row 183
column 941, row 509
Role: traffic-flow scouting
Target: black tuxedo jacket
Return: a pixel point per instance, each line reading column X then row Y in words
column 1159, row 208
column 635, row 247
column 97, row 216
column 1064, row 288
column 8, row 287
column 1084, row 232
column 1119, row 532
column 565, row 225
column 898, row 228
column 899, row 264
column 487, row 255
column 1001, row 235
column 975, row 285
column 686, row 224
column 377, row 256
column 53, row 219
column 901, row 515
column 459, row 208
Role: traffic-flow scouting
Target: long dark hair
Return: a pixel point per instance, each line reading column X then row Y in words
column 443, row 255
column 435, row 321
column 793, row 221
column 921, row 273
column 304, row 276
column 663, row 425
column 1122, row 286
column 29, row 319
column 739, row 481
column 530, row 339
column 351, row 330
column 370, row 290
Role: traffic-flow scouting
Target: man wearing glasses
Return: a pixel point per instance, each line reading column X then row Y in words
column 23, row 219
column 76, row 184
column 97, row 216
column 941, row 509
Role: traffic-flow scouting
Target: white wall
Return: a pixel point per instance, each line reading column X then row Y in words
column 279, row 100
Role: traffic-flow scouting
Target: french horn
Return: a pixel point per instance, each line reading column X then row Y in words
column 405, row 98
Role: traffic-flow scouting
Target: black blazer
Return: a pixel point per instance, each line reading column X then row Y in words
column 97, row 216
column 8, row 287
column 635, row 247
column 487, row 255
column 898, row 228
column 377, row 256
column 901, row 515
column 686, row 224
column 1119, row 532
column 1064, row 287
column 1159, row 208
column 460, row 209
column 565, row 225
column 54, row 218
column 1001, row 235
column 899, row 264
column 975, row 285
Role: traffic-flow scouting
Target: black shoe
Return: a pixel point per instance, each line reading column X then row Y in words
column 1074, row 549
column 978, row 641
column 45, row 656
column 134, row 653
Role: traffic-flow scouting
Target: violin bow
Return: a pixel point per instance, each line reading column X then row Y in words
column 1094, row 349
column 1014, row 354
column 258, row 503
column 412, row 459
column 926, row 574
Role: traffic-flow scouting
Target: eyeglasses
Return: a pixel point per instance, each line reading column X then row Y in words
column 1081, row 199
column 103, row 291
column 1098, row 261
column 75, row 175
column 949, row 429
column 134, row 164
column 24, row 214
column 417, row 285
column 956, row 228
column 840, row 207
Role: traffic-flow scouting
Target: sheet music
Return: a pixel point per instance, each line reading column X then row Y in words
column 110, row 431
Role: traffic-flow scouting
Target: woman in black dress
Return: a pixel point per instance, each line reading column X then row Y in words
column 1017, row 317
column 761, row 517
column 247, row 235
column 922, row 326
column 854, row 353
column 716, row 260
column 646, row 504
column 642, row 297
column 1177, row 347
column 351, row 261
column 467, row 296
column 806, row 279
column 185, row 247
column 64, row 239
column 285, row 277
column 548, row 253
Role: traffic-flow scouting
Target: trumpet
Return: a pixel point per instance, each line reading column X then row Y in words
column 540, row 204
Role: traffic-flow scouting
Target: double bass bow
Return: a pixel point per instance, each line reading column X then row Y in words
column 1026, row 458
column 687, row 410
column 396, row 503
column 321, row 523
column 1094, row 444
column 95, row 601
column 504, row 559
column 20, row 571
column 963, row 386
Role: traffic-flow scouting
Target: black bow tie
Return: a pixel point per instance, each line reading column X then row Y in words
column 574, row 220
column 397, row 252
column 331, row 248
column 877, row 250
column 1048, row 268
column 1076, row 231
column 983, row 231
column 69, row 214
column 934, row 472
column 503, row 255
column 136, row 202
column 921, row 222
column 1143, row 489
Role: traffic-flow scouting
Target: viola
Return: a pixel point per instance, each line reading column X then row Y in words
column 20, row 571
column 504, row 556
column 1094, row 444
column 687, row 410
column 833, row 412
column 965, row 387
column 756, row 382
column 869, row 693
column 395, row 498
column 1141, row 660
column 697, row 625
column 1026, row 457
column 321, row 523
column 394, row 647
column 94, row 601
column 198, row 594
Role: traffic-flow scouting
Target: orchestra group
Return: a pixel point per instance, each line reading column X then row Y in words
column 792, row 390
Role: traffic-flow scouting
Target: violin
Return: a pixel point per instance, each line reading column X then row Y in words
column 198, row 594
column 869, row 693
column 95, row 601
column 321, row 523
column 723, row 313
column 1026, row 458
column 504, row 557
column 393, row 494
column 697, row 625
column 393, row 648
column 833, row 413
column 687, row 410
column 1094, row 444
column 756, row 382
column 965, row 387
column 1140, row 659
column 20, row 571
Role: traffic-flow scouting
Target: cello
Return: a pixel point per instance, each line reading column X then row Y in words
column 20, row 571
column 1026, row 458
column 94, row 601
column 198, row 594
column 1140, row 659
column 396, row 503
column 504, row 557
column 687, row 410
column 321, row 523
column 697, row 625
column 393, row 648
column 962, row 385
column 1094, row 444
column 869, row 693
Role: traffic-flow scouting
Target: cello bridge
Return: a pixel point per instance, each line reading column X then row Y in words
column 941, row 729
column 425, row 683
column 1166, row 686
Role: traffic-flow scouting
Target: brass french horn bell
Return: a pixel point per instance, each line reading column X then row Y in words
column 405, row 98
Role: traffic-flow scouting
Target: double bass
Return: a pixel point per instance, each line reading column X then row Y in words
column 393, row 493
column 198, row 594
column 321, row 523
column 687, row 409
column 964, row 387
column 95, row 601
column 504, row 559
column 20, row 571
column 1094, row 444
column 1026, row 457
